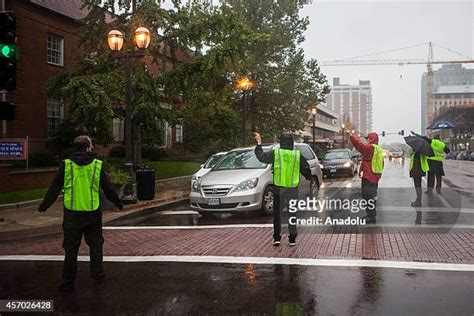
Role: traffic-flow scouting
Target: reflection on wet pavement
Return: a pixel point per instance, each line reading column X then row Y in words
column 196, row 288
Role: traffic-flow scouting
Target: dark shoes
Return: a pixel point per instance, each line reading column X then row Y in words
column 276, row 241
column 429, row 192
column 416, row 204
column 292, row 241
column 438, row 190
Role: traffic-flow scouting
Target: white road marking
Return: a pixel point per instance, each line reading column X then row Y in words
column 188, row 212
column 392, row 225
column 265, row 260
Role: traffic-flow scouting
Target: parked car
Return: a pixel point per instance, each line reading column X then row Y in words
column 471, row 157
column 239, row 182
column 451, row 155
column 339, row 161
column 463, row 155
column 207, row 166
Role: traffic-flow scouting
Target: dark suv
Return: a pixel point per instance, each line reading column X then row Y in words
column 339, row 161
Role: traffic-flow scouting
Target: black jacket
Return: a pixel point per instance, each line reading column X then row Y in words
column 268, row 157
column 80, row 158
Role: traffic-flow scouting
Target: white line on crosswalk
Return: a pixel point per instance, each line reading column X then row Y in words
column 388, row 225
column 265, row 260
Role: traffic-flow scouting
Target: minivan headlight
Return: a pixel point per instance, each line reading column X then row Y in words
column 196, row 186
column 247, row 185
column 347, row 164
column 194, row 177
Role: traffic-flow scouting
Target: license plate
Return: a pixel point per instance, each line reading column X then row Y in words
column 213, row 202
column 333, row 170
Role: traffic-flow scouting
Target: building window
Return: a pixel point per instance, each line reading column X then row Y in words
column 55, row 115
column 118, row 129
column 55, row 50
column 179, row 133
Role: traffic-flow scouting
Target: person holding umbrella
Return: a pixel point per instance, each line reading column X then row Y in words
column 435, row 161
column 418, row 162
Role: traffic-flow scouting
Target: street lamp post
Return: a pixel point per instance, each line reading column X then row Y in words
column 244, row 84
column 115, row 41
column 343, row 126
column 314, row 111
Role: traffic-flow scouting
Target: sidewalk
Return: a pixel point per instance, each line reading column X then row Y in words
column 374, row 243
column 27, row 221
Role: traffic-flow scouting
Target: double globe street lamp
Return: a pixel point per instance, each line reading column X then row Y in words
column 115, row 39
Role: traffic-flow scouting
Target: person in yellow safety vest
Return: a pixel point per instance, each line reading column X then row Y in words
column 371, row 169
column 418, row 169
column 435, row 162
column 287, row 163
column 82, row 176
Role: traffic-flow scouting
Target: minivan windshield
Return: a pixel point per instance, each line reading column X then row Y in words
column 336, row 155
column 245, row 159
column 211, row 162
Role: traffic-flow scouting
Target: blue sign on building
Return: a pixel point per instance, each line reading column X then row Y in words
column 13, row 149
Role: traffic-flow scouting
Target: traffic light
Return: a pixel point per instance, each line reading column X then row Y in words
column 383, row 133
column 7, row 111
column 8, row 50
column 402, row 132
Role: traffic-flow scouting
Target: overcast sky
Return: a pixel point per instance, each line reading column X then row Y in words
column 343, row 29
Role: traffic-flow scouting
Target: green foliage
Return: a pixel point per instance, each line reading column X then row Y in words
column 117, row 174
column 21, row 196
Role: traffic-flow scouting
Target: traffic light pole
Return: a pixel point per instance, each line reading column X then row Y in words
column 3, row 98
column 3, row 93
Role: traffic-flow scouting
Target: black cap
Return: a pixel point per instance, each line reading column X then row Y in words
column 286, row 141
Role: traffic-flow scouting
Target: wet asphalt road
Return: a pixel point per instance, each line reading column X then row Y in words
column 395, row 193
column 219, row 289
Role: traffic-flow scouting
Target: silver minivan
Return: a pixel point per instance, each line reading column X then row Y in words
column 239, row 182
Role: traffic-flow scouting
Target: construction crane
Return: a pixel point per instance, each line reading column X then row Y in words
column 356, row 61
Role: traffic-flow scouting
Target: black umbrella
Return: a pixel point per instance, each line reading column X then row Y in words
column 419, row 145
column 441, row 125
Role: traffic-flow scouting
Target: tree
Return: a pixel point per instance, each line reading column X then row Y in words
column 202, row 49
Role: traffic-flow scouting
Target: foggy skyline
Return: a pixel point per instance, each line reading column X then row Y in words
column 347, row 29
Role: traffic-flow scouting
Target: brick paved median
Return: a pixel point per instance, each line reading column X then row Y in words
column 399, row 244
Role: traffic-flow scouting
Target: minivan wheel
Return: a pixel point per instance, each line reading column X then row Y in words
column 267, row 201
column 314, row 188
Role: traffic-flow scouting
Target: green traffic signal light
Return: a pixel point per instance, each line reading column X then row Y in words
column 7, row 51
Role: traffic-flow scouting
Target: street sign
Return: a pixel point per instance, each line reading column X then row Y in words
column 13, row 149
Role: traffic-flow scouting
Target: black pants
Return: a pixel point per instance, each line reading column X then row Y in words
column 281, row 200
column 417, row 183
column 431, row 180
column 75, row 225
column 369, row 192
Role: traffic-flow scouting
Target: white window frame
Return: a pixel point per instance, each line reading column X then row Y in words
column 179, row 133
column 55, row 111
column 55, row 47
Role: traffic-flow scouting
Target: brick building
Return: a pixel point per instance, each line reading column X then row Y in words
column 48, row 39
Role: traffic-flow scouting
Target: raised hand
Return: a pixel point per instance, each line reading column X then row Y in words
column 258, row 138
